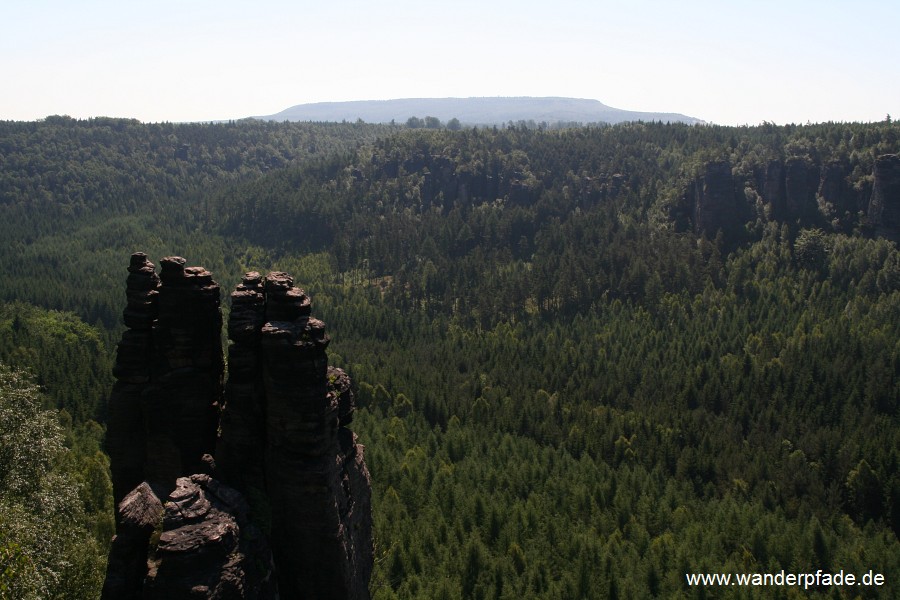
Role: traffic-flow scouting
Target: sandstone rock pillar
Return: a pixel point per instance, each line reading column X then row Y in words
column 283, row 510
column 314, row 488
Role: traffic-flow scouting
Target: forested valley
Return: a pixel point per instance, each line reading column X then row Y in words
column 589, row 360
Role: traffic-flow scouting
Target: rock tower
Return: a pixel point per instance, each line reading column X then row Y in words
column 884, row 207
column 276, row 506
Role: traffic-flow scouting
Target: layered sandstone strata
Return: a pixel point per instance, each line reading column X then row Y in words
column 290, row 475
column 310, row 482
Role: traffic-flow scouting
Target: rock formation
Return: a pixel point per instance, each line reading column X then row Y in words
column 206, row 546
column 290, row 475
column 884, row 207
column 801, row 180
column 710, row 201
column 773, row 188
column 798, row 191
column 137, row 516
column 163, row 410
column 284, row 441
column 833, row 184
column 209, row 547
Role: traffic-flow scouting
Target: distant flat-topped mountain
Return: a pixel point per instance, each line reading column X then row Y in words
column 473, row 111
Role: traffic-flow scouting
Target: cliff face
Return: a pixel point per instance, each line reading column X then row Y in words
column 833, row 188
column 884, row 207
column 801, row 181
column 714, row 200
column 797, row 191
column 290, row 475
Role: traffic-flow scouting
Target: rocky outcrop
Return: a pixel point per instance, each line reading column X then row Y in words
column 208, row 547
column 199, row 543
column 790, row 188
column 797, row 191
column 884, row 207
column 163, row 410
column 291, row 476
column 773, row 188
column 242, row 446
column 139, row 514
column 801, row 180
column 833, row 184
column 713, row 200
column 313, row 484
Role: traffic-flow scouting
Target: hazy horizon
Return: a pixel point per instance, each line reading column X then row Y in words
column 732, row 64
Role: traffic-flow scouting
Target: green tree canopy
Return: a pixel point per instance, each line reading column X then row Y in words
column 45, row 551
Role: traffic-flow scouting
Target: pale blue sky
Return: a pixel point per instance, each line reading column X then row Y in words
column 740, row 62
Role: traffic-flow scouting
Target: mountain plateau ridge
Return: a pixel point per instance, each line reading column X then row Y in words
column 474, row 111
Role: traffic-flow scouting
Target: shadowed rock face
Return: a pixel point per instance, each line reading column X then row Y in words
column 163, row 410
column 884, row 207
column 208, row 547
column 714, row 200
column 205, row 546
column 773, row 188
column 833, row 185
column 801, row 180
column 138, row 515
column 285, row 446
column 291, row 476
column 797, row 191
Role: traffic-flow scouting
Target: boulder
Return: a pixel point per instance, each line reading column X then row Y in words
column 208, row 547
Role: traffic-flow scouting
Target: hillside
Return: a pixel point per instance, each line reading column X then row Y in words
column 589, row 361
column 473, row 111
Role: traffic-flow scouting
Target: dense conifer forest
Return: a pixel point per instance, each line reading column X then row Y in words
column 580, row 377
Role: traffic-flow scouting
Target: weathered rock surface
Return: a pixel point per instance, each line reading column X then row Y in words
column 296, row 476
column 139, row 514
column 884, row 207
column 163, row 410
column 208, row 547
column 714, row 205
column 773, row 189
column 285, row 445
column 834, row 196
column 799, row 191
column 801, row 180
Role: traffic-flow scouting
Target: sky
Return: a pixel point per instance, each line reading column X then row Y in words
column 734, row 62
